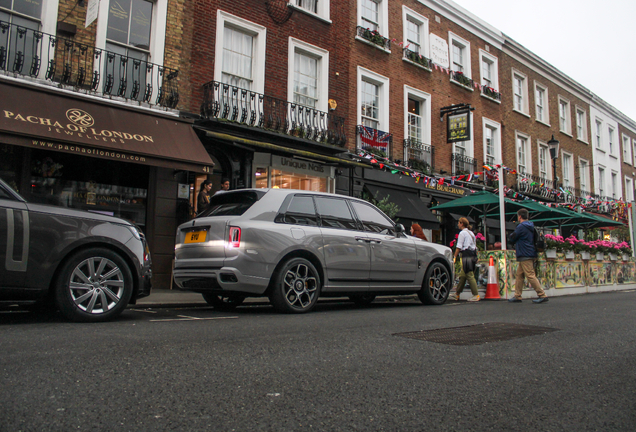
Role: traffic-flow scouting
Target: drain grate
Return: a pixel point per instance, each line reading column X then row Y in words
column 477, row 334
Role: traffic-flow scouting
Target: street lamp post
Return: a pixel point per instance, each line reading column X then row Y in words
column 554, row 154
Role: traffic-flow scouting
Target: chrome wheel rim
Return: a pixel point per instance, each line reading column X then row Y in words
column 300, row 286
column 96, row 285
column 439, row 283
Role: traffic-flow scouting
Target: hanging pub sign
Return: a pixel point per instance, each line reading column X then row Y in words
column 458, row 127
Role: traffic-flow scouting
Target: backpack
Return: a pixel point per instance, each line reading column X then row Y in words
column 539, row 241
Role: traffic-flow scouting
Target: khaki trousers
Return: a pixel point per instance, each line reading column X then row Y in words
column 526, row 270
column 470, row 276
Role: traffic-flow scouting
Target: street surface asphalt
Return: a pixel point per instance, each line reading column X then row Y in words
column 339, row 368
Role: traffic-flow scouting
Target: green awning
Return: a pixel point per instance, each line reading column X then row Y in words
column 478, row 205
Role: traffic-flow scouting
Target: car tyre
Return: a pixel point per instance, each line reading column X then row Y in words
column 362, row 299
column 296, row 286
column 223, row 302
column 93, row 285
column 437, row 285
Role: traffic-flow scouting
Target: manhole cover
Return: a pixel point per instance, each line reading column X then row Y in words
column 477, row 334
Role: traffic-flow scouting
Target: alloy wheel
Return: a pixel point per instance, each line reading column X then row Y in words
column 96, row 285
column 300, row 286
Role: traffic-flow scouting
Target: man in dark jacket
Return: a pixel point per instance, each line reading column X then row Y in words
column 523, row 239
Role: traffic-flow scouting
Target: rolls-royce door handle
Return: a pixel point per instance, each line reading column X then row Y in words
column 362, row 239
column 375, row 240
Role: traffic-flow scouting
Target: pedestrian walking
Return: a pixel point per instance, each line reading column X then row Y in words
column 203, row 200
column 523, row 239
column 468, row 247
column 417, row 231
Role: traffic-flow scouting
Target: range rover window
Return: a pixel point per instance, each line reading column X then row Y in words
column 231, row 203
column 335, row 213
column 301, row 211
column 373, row 220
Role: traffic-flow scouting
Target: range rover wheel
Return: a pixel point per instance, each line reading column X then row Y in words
column 296, row 287
column 93, row 285
column 436, row 286
column 223, row 302
column 362, row 299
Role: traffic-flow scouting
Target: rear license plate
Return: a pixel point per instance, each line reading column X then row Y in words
column 195, row 237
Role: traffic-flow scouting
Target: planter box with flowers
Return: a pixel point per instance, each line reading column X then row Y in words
column 374, row 37
column 600, row 256
column 625, row 250
column 569, row 254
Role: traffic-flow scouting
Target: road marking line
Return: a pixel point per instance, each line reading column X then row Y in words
column 192, row 319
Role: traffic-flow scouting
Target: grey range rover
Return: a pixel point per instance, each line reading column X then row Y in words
column 294, row 246
column 91, row 266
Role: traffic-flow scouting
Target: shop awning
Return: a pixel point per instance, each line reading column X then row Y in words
column 49, row 120
column 281, row 149
column 477, row 205
column 410, row 204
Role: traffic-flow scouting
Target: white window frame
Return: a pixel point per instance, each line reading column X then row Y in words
column 565, row 123
column 634, row 151
column 364, row 74
column 548, row 160
column 322, row 11
column 527, row 151
column 627, row 149
column 567, row 169
column 629, row 189
column 495, row 127
column 157, row 31
column 584, row 186
column 425, row 110
column 582, row 136
column 383, row 16
column 611, row 133
column 465, row 46
column 524, row 92
column 614, row 181
column 296, row 45
column 600, row 172
column 494, row 65
column 422, row 21
column 545, row 118
column 598, row 134
column 258, row 60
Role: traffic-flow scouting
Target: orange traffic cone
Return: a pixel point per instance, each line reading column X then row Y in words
column 492, row 288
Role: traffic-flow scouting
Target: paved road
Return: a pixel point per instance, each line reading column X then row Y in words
column 340, row 368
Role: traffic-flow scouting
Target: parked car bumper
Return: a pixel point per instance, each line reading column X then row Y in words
column 224, row 279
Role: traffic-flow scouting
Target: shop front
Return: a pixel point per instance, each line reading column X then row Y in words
column 63, row 149
column 282, row 172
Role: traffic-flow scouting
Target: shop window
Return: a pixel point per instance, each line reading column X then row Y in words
column 289, row 180
column 96, row 185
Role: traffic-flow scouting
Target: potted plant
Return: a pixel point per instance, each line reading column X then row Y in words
column 553, row 244
column 375, row 37
column 570, row 246
column 626, row 250
column 586, row 250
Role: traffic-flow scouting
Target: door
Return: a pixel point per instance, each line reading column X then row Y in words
column 14, row 240
column 393, row 259
column 346, row 248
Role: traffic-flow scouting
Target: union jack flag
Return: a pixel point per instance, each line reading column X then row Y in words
column 375, row 138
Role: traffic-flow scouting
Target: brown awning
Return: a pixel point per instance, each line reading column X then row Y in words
column 37, row 118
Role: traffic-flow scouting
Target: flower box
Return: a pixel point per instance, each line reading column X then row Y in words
column 600, row 256
column 613, row 256
column 626, row 257
column 586, row 256
column 569, row 255
column 550, row 253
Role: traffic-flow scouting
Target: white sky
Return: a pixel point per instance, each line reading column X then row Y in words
column 590, row 41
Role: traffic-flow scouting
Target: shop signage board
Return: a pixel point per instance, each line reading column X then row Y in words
column 61, row 123
column 458, row 127
column 92, row 10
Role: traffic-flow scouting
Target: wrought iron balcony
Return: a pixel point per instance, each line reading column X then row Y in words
column 463, row 164
column 419, row 156
column 30, row 53
column 374, row 37
column 462, row 79
column 418, row 59
column 374, row 141
column 227, row 102
column 491, row 93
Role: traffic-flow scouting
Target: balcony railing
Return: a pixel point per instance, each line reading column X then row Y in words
column 374, row 141
column 31, row 53
column 462, row 79
column 491, row 93
column 374, row 37
column 463, row 164
column 417, row 58
column 419, row 156
column 227, row 102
